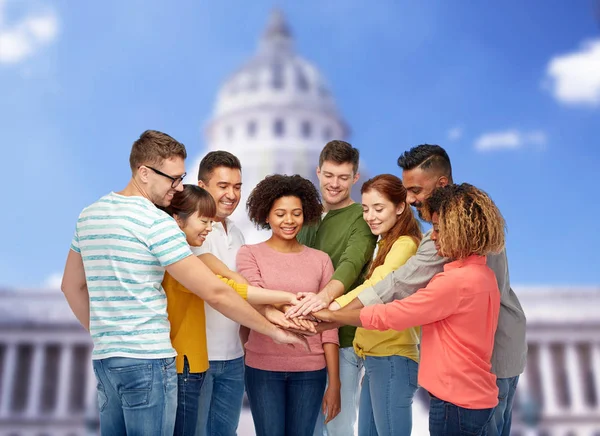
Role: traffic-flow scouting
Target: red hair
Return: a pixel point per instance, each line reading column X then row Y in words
column 393, row 190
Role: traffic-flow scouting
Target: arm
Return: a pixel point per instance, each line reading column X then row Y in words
column 409, row 278
column 196, row 277
column 357, row 253
column 332, row 400
column 74, row 287
column 401, row 251
column 219, row 268
column 437, row 301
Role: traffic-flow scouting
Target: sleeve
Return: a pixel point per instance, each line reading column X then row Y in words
column 409, row 278
column 401, row 251
column 437, row 301
column 75, row 242
column 357, row 253
column 240, row 288
column 328, row 336
column 247, row 266
column 167, row 242
column 169, row 283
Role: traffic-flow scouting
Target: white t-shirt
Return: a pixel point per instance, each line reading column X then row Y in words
column 222, row 334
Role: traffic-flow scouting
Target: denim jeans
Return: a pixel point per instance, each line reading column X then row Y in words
column 502, row 418
column 136, row 397
column 221, row 398
column 188, row 399
column 285, row 403
column 447, row 419
column 387, row 395
column 350, row 372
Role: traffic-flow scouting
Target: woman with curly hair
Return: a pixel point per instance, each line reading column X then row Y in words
column 458, row 312
column 286, row 385
column 194, row 209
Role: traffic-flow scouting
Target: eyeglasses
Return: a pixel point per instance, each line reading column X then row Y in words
column 176, row 180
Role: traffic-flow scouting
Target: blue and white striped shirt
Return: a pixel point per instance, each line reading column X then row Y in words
column 125, row 244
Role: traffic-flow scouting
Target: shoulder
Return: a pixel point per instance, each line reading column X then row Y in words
column 316, row 254
column 251, row 250
column 405, row 243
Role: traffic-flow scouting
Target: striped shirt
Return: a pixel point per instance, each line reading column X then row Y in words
column 125, row 244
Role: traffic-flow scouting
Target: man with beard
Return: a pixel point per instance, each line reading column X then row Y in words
column 425, row 168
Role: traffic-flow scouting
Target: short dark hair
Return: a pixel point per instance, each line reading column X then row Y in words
column 191, row 200
column 273, row 187
column 340, row 152
column 153, row 147
column 215, row 159
column 428, row 157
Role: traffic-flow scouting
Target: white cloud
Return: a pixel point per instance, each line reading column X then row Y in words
column 22, row 39
column 455, row 133
column 510, row 139
column 574, row 78
column 53, row 281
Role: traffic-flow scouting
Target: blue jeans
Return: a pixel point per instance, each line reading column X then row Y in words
column 502, row 417
column 285, row 403
column 136, row 396
column 447, row 419
column 387, row 395
column 221, row 398
column 350, row 372
column 188, row 399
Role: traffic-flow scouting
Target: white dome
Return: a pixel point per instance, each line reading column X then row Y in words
column 275, row 78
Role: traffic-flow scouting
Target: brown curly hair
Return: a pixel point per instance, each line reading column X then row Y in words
column 273, row 187
column 469, row 221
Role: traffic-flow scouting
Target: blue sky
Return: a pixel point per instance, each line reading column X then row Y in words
column 511, row 90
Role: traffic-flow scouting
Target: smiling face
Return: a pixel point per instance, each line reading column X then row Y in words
column 335, row 183
column 419, row 185
column 379, row 212
column 196, row 228
column 225, row 186
column 158, row 187
column 286, row 218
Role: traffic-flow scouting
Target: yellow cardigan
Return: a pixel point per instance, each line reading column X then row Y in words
column 390, row 342
column 188, row 324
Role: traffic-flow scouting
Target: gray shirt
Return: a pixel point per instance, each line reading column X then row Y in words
column 510, row 344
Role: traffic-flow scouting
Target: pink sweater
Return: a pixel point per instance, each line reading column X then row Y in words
column 307, row 271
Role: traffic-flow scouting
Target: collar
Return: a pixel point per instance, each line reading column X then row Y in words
column 473, row 259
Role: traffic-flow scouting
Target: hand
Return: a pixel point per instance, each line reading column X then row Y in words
column 325, row 315
column 309, row 303
column 285, row 337
column 298, row 325
column 277, row 317
column 332, row 402
column 323, row 326
column 304, row 325
column 334, row 306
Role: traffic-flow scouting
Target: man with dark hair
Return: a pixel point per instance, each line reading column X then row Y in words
column 220, row 173
column 122, row 246
column 425, row 168
column 344, row 235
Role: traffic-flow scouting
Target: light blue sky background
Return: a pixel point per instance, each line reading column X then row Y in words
column 511, row 89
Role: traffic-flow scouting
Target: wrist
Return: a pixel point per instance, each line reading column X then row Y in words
column 334, row 383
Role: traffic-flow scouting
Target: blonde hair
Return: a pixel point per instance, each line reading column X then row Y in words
column 469, row 221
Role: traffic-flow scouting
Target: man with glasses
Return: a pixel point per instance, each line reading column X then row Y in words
column 112, row 281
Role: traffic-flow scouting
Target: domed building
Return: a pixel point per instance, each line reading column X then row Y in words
column 275, row 113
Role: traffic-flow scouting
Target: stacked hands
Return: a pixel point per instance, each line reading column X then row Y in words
column 304, row 314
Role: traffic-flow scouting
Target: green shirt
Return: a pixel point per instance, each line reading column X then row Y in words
column 345, row 236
